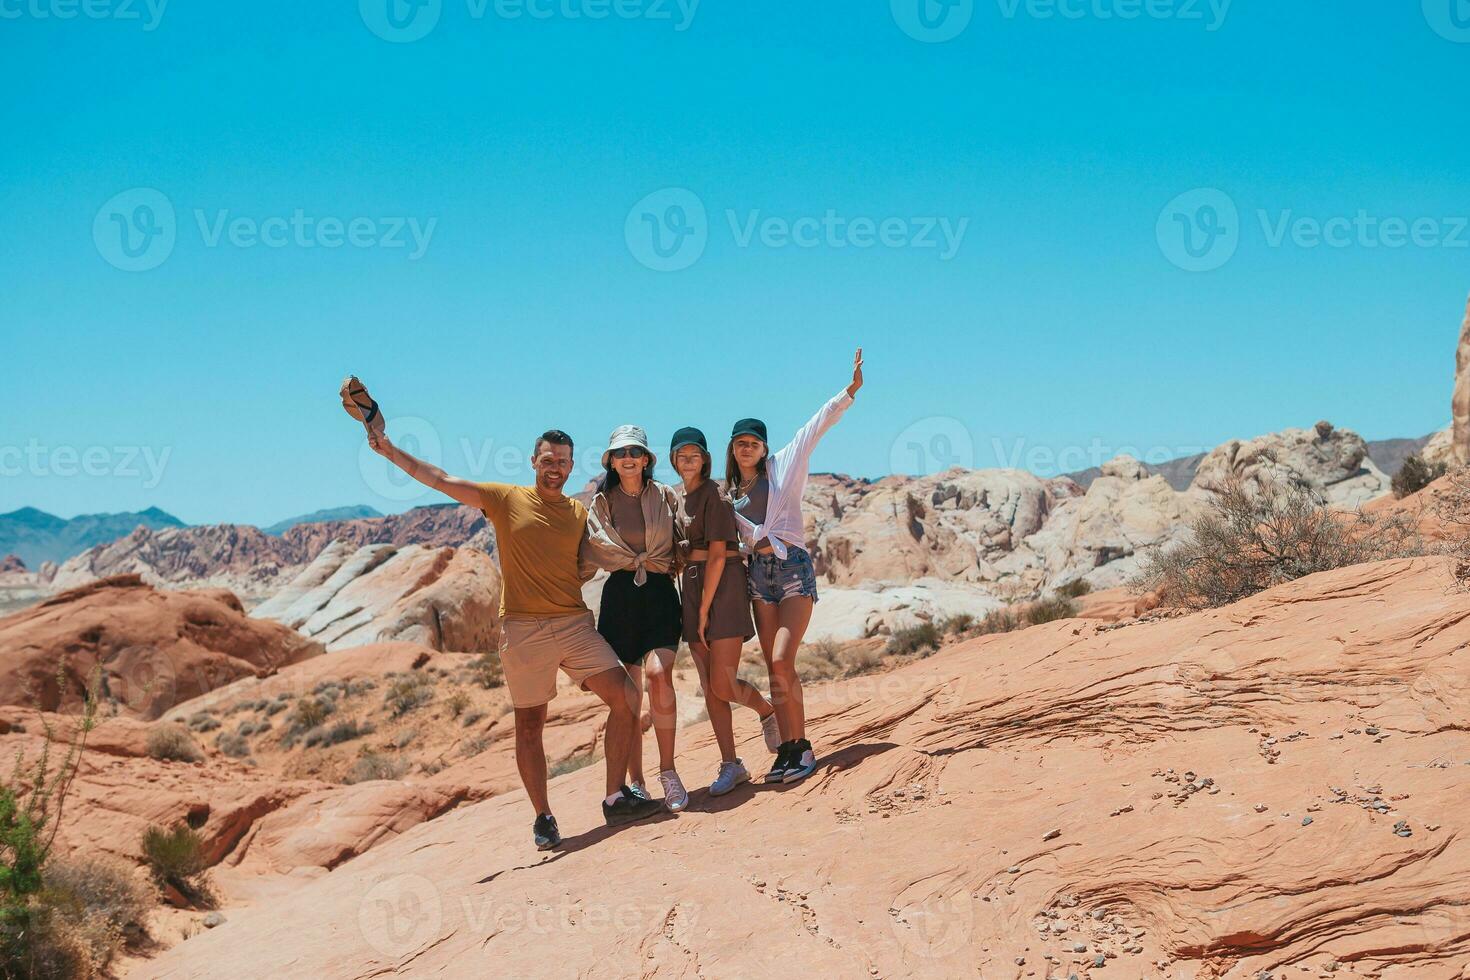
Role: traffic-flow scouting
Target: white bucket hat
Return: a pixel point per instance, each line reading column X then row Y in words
column 629, row 435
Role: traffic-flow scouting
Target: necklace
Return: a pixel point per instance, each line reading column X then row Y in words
column 625, row 491
column 745, row 487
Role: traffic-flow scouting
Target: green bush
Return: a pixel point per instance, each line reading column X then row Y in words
column 176, row 858
column 203, row 721
column 34, row 941
column 168, row 742
column 923, row 636
column 1415, row 475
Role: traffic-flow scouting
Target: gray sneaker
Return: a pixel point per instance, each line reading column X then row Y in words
column 676, row 797
column 772, row 731
column 731, row 774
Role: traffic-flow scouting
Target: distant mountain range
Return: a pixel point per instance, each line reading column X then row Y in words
column 352, row 513
column 35, row 536
column 1387, row 454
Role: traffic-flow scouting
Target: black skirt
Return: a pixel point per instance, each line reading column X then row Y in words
column 637, row 619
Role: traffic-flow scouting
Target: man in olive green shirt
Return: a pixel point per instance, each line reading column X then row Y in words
column 545, row 625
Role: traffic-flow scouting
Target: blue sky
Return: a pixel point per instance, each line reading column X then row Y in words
column 1060, row 145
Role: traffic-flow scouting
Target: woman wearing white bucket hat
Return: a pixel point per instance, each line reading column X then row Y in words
column 633, row 532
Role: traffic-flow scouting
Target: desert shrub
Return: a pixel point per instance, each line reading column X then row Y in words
column 1075, row 589
column 409, row 693
column 94, row 906
column 361, row 686
column 371, row 765
column 957, row 625
column 346, row 730
column 257, row 727
column 1415, row 475
column 1050, row 610
column 457, row 703
column 34, row 940
column 203, row 721
column 830, row 659
column 572, row 764
column 308, row 714
column 923, row 636
column 176, row 859
column 168, row 742
column 487, row 671
column 276, row 707
column 1252, row 539
column 471, row 716
column 405, row 738
column 1000, row 621
column 232, row 745
column 475, row 746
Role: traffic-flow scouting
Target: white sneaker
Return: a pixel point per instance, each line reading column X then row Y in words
column 731, row 774
column 676, row 797
column 772, row 731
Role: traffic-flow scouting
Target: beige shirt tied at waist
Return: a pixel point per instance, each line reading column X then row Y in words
column 602, row 546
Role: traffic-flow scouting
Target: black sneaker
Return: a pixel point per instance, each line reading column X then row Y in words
column 545, row 832
column 628, row 808
column 784, row 761
column 803, row 762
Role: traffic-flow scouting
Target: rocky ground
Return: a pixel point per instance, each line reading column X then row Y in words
column 1274, row 788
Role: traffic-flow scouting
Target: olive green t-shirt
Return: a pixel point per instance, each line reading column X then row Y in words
column 537, row 543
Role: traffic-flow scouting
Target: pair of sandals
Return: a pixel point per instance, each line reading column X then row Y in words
column 361, row 406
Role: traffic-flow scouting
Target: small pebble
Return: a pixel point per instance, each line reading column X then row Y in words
column 1051, row 835
column 213, row 919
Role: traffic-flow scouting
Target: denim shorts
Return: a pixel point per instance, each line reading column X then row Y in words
column 773, row 579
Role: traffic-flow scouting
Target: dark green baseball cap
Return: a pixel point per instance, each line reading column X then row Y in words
column 750, row 427
column 688, row 436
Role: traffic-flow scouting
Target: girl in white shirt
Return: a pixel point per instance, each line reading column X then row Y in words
column 767, row 490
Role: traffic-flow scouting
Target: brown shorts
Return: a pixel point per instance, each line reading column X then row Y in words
column 729, row 614
column 532, row 649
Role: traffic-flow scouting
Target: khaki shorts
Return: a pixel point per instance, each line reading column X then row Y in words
column 533, row 649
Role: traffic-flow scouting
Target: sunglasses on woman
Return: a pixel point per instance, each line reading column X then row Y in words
column 636, row 452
